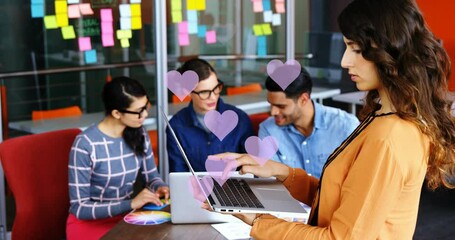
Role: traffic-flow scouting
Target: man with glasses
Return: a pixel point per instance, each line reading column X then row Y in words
column 196, row 139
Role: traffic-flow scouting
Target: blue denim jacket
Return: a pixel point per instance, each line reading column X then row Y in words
column 198, row 144
column 331, row 127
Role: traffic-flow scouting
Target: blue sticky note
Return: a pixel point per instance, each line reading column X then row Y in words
column 266, row 5
column 90, row 56
column 262, row 46
column 201, row 30
column 191, row 15
column 192, row 27
column 37, row 10
column 38, row 2
column 152, row 206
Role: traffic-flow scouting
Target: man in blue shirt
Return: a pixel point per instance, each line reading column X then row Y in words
column 307, row 132
column 196, row 139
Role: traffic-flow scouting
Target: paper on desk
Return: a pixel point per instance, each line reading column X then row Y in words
column 233, row 230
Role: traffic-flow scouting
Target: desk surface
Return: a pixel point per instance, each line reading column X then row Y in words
column 251, row 103
column 166, row 230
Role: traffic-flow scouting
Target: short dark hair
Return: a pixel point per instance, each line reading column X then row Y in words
column 302, row 84
column 202, row 68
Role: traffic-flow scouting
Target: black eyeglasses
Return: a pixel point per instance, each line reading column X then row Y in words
column 205, row 94
column 139, row 114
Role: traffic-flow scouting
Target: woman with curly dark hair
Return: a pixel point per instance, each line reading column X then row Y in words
column 370, row 185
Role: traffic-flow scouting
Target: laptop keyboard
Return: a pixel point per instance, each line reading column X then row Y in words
column 236, row 193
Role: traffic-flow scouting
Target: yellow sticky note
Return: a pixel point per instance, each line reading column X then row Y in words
column 50, row 22
column 125, row 43
column 123, row 34
column 257, row 30
column 136, row 23
column 68, row 32
column 135, row 10
column 62, row 19
column 61, row 7
column 176, row 16
column 176, row 5
column 267, row 30
column 195, row 5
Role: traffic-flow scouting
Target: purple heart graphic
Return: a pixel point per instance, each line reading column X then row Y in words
column 220, row 169
column 283, row 74
column 195, row 185
column 221, row 124
column 182, row 84
column 261, row 150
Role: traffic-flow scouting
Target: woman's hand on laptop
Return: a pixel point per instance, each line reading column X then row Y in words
column 248, row 164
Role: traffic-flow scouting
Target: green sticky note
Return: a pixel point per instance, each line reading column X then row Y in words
column 50, row 22
column 125, row 43
column 266, row 29
column 176, row 16
column 68, row 32
column 257, row 30
column 176, row 5
column 124, row 34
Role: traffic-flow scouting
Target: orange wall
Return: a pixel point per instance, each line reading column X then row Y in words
column 440, row 17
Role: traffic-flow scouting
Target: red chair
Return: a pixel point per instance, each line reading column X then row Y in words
column 256, row 119
column 175, row 99
column 36, row 168
column 153, row 134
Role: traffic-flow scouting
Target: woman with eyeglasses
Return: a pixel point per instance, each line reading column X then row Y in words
column 196, row 139
column 105, row 160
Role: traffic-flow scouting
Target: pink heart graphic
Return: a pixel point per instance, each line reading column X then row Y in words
column 220, row 169
column 221, row 124
column 182, row 84
column 206, row 182
column 283, row 74
column 261, row 150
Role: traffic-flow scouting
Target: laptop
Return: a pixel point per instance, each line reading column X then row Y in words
column 244, row 194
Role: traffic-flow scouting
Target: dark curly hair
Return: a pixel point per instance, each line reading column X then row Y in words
column 414, row 69
column 118, row 94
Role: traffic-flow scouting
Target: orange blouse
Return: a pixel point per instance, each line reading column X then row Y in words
column 371, row 190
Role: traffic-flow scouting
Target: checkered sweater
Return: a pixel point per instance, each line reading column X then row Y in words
column 102, row 171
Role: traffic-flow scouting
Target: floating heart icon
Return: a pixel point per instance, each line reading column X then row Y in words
column 220, row 169
column 283, row 74
column 261, row 150
column 195, row 185
column 221, row 124
column 182, row 84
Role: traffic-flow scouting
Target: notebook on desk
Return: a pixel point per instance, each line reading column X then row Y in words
column 244, row 194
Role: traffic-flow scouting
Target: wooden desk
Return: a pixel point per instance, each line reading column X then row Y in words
column 166, row 230
column 251, row 103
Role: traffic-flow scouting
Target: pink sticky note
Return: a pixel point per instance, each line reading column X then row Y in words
column 257, row 6
column 183, row 27
column 86, row 9
column 85, row 44
column 279, row 7
column 73, row 11
column 106, row 15
column 108, row 40
column 210, row 37
column 184, row 39
column 106, row 27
